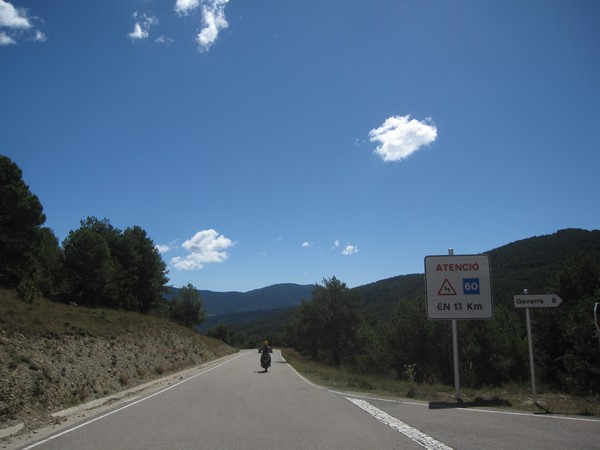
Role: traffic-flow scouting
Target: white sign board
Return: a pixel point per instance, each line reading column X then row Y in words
column 536, row 301
column 458, row 287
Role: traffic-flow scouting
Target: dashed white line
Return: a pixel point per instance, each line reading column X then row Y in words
column 412, row 433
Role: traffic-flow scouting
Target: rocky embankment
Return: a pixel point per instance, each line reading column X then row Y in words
column 86, row 354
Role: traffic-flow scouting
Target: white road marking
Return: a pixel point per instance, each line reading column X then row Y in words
column 127, row 405
column 457, row 408
column 412, row 433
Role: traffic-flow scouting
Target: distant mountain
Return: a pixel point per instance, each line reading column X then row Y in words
column 256, row 318
column 529, row 263
column 271, row 297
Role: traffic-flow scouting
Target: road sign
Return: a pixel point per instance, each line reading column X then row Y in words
column 458, row 287
column 536, row 301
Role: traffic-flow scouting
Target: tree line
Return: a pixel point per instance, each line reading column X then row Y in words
column 336, row 327
column 97, row 264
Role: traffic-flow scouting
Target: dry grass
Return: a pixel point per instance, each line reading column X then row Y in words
column 513, row 396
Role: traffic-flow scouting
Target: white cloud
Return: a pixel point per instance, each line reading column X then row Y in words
column 350, row 250
column 39, row 37
column 5, row 39
column 400, row 137
column 17, row 24
column 184, row 7
column 137, row 32
column 306, row 244
column 12, row 17
column 162, row 248
column 164, row 40
column 141, row 28
column 206, row 246
column 336, row 243
column 213, row 20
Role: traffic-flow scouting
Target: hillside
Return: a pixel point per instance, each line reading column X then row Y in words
column 528, row 263
column 277, row 296
column 55, row 356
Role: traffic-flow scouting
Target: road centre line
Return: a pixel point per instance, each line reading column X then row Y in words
column 130, row 404
column 413, row 434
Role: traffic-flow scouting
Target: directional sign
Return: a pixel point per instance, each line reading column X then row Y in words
column 536, row 301
column 458, row 287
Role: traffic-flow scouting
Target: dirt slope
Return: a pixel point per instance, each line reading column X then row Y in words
column 55, row 356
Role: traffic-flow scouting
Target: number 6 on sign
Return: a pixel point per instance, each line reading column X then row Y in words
column 471, row 286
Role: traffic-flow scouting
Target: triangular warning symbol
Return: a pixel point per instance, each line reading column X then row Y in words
column 446, row 288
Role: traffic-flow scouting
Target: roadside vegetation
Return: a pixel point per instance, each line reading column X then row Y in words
column 516, row 396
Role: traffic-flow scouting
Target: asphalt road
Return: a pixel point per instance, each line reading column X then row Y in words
column 235, row 405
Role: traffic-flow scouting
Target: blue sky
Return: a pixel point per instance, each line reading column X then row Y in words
column 271, row 141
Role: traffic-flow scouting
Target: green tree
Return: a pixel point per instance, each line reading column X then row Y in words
column 328, row 325
column 415, row 340
column 49, row 264
column 372, row 356
column 106, row 266
column 566, row 345
column 305, row 329
column 492, row 351
column 21, row 216
column 186, row 307
column 89, row 268
column 142, row 275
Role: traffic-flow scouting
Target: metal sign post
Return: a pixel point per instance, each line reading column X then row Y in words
column 534, row 301
column 530, row 345
column 458, row 287
column 597, row 319
column 455, row 356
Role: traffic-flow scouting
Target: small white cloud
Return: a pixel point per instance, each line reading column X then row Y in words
column 206, row 246
column 39, row 37
column 213, row 20
column 307, row 244
column 162, row 248
column 12, row 17
column 165, row 40
column 165, row 248
column 350, row 250
column 336, row 243
column 184, row 7
column 5, row 39
column 141, row 28
column 400, row 137
column 137, row 32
